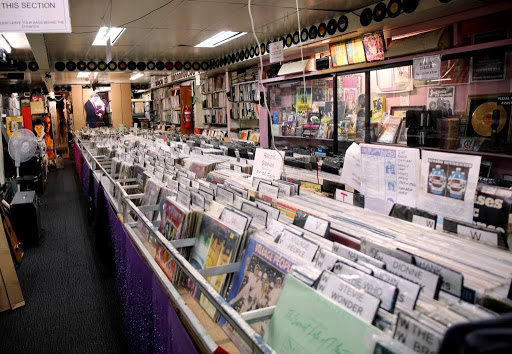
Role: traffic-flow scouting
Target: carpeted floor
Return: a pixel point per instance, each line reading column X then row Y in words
column 72, row 304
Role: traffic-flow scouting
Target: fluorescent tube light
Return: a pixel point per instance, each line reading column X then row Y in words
column 136, row 76
column 5, row 45
column 219, row 38
column 83, row 75
column 105, row 33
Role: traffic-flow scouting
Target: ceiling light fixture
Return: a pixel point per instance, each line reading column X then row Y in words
column 136, row 76
column 83, row 75
column 105, row 33
column 219, row 39
column 5, row 45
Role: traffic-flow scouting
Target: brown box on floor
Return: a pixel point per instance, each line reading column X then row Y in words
column 8, row 277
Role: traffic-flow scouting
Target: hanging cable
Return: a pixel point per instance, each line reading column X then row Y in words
column 260, row 77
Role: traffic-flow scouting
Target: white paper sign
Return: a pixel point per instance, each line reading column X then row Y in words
column 276, row 52
column 448, row 184
column 488, row 237
column 423, row 221
column 268, row 164
column 344, row 196
column 390, row 173
column 35, row 16
column 427, row 68
column 351, row 172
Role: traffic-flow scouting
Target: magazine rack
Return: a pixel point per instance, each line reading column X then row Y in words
column 116, row 191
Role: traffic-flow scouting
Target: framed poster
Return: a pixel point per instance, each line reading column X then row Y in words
column 480, row 108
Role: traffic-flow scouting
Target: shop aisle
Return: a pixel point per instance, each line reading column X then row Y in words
column 72, row 303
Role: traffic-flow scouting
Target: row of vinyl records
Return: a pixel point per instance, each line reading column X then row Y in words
column 244, row 110
column 337, row 280
column 216, row 116
column 215, row 100
column 250, row 74
column 248, row 92
column 172, row 117
column 211, row 84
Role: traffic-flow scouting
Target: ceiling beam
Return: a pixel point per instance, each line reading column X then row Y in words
column 39, row 50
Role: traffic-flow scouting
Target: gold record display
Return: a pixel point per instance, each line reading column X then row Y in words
column 481, row 119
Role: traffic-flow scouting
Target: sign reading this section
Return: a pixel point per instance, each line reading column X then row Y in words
column 276, row 52
column 427, row 68
column 268, row 164
column 46, row 16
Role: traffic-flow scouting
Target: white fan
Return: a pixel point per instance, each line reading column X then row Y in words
column 22, row 146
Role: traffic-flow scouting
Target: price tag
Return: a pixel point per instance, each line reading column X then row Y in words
column 487, row 237
column 423, row 221
column 259, row 216
column 344, row 196
column 429, row 282
column 408, row 292
column 386, row 292
column 354, row 255
column 416, row 336
column 349, row 297
column 183, row 199
column 297, row 245
column 269, row 190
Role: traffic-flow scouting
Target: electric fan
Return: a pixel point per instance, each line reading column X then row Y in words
column 22, row 146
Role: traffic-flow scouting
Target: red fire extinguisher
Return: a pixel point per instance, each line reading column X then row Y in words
column 187, row 117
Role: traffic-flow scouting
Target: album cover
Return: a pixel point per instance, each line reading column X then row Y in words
column 260, row 279
column 173, row 219
column 216, row 244
column 389, row 130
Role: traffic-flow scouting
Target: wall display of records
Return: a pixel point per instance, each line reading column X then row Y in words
column 60, row 66
column 304, row 35
column 132, row 65
column 313, row 32
column 187, row 65
column 159, row 65
column 178, row 65
column 322, row 30
column 81, row 66
column 263, row 48
column 70, row 66
column 168, row 65
column 91, row 66
column 289, row 40
column 366, row 17
column 150, row 65
column 394, row 8
column 102, row 66
column 480, row 108
column 112, row 66
column 379, row 12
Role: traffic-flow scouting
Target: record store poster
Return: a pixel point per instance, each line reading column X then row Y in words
column 448, row 184
column 390, row 173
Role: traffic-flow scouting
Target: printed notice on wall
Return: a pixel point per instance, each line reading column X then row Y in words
column 51, row 16
column 448, row 184
column 276, row 52
column 351, row 172
column 427, row 68
column 390, row 173
column 268, row 164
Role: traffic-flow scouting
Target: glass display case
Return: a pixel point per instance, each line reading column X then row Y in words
column 302, row 111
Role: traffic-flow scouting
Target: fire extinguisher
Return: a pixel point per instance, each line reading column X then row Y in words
column 187, row 117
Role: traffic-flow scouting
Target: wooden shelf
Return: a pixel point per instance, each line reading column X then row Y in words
column 244, row 83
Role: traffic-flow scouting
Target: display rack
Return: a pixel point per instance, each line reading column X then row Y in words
column 215, row 100
column 133, row 218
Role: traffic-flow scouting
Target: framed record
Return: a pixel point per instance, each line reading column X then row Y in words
column 91, row 66
column 289, row 40
column 480, row 108
column 332, row 26
column 296, row 37
column 122, row 66
column 366, row 17
column 112, row 65
column 304, row 35
column 342, row 23
column 102, row 66
column 313, row 32
column 379, row 12
column 322, row 30
column 60, row 66
column 394, row 8
column 81, row 66
column 71, row 66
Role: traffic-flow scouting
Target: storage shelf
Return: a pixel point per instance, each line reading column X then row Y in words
column 244, row 83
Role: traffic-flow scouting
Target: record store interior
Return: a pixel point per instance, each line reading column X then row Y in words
column 256, row 176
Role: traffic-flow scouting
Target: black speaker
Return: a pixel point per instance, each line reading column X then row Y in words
column 26, row 218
